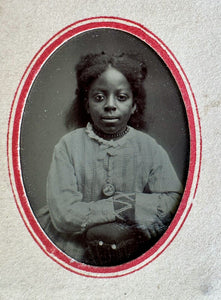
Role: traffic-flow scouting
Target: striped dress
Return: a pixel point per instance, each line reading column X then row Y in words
column 81, row 165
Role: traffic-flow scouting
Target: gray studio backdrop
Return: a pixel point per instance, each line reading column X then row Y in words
column 53, row 91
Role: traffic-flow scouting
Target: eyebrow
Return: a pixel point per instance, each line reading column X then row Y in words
column 103, row 90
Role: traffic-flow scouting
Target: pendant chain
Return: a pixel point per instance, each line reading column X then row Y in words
column 108, row 188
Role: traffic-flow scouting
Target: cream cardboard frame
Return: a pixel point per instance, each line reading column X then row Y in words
column 14, row 134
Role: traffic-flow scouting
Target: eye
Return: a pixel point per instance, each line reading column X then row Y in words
column 122, row 97
column 99, row 97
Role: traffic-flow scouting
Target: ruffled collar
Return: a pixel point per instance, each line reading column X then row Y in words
column 110, row 143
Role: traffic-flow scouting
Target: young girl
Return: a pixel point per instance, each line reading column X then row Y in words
column 111, row 189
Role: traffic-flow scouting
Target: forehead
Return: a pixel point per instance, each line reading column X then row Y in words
column 111, row 78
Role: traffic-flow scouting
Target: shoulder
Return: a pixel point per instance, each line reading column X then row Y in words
column 71, row 139
column 74, row 134
column 147, row 144
column 143, row 138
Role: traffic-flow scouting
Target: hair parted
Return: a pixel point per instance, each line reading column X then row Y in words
column 91, row 67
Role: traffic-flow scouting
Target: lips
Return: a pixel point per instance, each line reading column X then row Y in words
column 109, row 119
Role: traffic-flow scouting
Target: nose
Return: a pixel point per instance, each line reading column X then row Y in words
column 110, row 104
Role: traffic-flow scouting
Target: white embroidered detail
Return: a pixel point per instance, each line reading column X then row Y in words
column 111, row 143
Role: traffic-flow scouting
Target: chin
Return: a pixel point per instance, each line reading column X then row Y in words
column 109, row 128
column 110, row 131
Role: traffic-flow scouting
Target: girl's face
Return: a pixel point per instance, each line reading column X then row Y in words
column 110, row 102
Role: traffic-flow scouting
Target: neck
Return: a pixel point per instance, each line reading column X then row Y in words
column 110, row 136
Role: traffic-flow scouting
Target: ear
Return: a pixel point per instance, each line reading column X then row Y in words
column 134, row 107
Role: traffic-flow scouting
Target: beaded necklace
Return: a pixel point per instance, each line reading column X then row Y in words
column 110, row 136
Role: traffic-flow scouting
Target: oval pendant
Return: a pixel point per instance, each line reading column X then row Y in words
column 108, row 189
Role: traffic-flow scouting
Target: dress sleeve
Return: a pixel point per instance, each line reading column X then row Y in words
column 156, row 207
column 68, row 211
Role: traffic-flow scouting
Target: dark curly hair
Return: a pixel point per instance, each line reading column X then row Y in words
column 90, row 68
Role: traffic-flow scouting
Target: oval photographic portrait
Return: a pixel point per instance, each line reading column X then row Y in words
column 107, row 147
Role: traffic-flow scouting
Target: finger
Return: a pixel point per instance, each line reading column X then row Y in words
column 148, row 234
column 158, row 228
column 153, row 232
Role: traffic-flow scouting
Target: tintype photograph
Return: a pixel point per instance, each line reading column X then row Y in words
column 104, row 147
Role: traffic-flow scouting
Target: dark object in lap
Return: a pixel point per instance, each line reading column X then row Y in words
column 115, row 243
